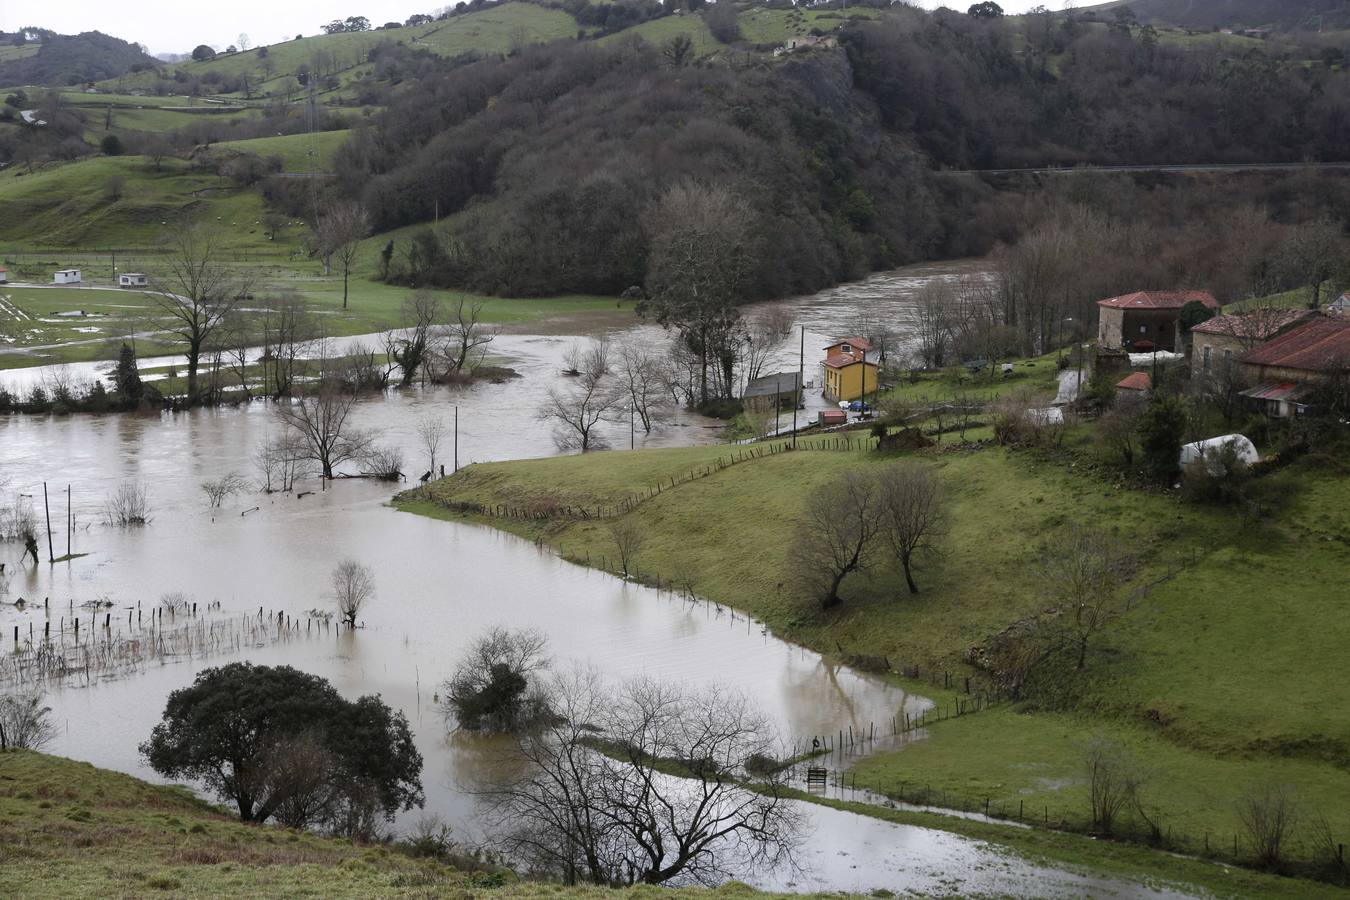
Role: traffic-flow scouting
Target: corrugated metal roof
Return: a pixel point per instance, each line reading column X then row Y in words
column 1286, row 391
column 1318, row 345
column 778, row 383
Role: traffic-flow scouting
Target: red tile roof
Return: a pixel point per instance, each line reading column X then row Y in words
column 1159, row 300
column 1135, row 381
column 861, row 343
column 1319, row 345
column 1257, row 325
column 843, row 361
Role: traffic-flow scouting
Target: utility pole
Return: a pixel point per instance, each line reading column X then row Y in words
column 632, row 427
column 801, row 386
column 51, row 555
column 456, row 438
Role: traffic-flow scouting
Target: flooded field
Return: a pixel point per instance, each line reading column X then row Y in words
column 438, row 586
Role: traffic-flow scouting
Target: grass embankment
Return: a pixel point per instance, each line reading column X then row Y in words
column 68, row 829
column 1229, row 672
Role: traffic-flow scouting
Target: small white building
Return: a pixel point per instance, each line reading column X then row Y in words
column 132, row 280
column 66, row 276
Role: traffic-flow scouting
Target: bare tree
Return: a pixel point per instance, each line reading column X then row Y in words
column 644, row 381
column 25, row 721
column 1114, row 781
column 464, row 337
column 577, row 411
column 339, row 230
column 933, row 317
column 288, row 331
column 196, row 291
column 1082, row 570
column 913, row 514
column 1118, row 430
column 702, row 249
column 353, row 587
column 321, row 422
column 628, row 537
column 589, row 795
column 281, row 459
column 383, row 462
column 1268, row 813
column 128, row 505
column 431, row 431
column 835, row 537
column 409, row 349
column 219, row 489
column 1313, row 253
column 491, row 688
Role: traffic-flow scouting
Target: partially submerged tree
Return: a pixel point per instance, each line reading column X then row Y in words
column 643, row 379
column 463, row 341
column 410, row 347
column 217, row 490
column 913, row 514
column 836, row 535
column 578, row 409
column 239, row 731
column 195, row 290
column 353, row 587
column 490, row 690
column 320, row 422
column 431, row 431
column 642, row 785
column 701, row 252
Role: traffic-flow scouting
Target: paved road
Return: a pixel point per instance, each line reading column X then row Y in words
column 1213, row 167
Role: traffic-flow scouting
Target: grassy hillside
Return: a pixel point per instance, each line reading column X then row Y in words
column 70, row 830
column 298, row 152
column 1224, row 670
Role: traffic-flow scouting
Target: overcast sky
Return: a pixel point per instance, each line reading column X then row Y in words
column 176, row 27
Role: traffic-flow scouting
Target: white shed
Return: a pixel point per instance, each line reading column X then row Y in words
column 132, row 280
column 66, row 276
column 1211, row 449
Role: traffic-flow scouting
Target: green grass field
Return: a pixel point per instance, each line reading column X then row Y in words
column 70, row 830
column 765, row 26
column 298, row 152
column 1227, row 673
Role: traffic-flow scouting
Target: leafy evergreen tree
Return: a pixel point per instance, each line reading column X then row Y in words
column 1161, row 430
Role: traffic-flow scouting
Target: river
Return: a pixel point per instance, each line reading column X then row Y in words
column 439, row 585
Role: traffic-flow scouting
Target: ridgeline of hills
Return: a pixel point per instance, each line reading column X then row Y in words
column 1277, row 15
column 42, row 57
column 540, row 139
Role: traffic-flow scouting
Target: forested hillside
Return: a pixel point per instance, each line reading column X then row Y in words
column 70, row 59
column 549, row 163
column 555, row 157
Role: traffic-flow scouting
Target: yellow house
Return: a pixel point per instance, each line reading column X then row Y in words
column 848, row 373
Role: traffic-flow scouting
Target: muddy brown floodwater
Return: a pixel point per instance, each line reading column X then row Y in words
column 439, row 584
